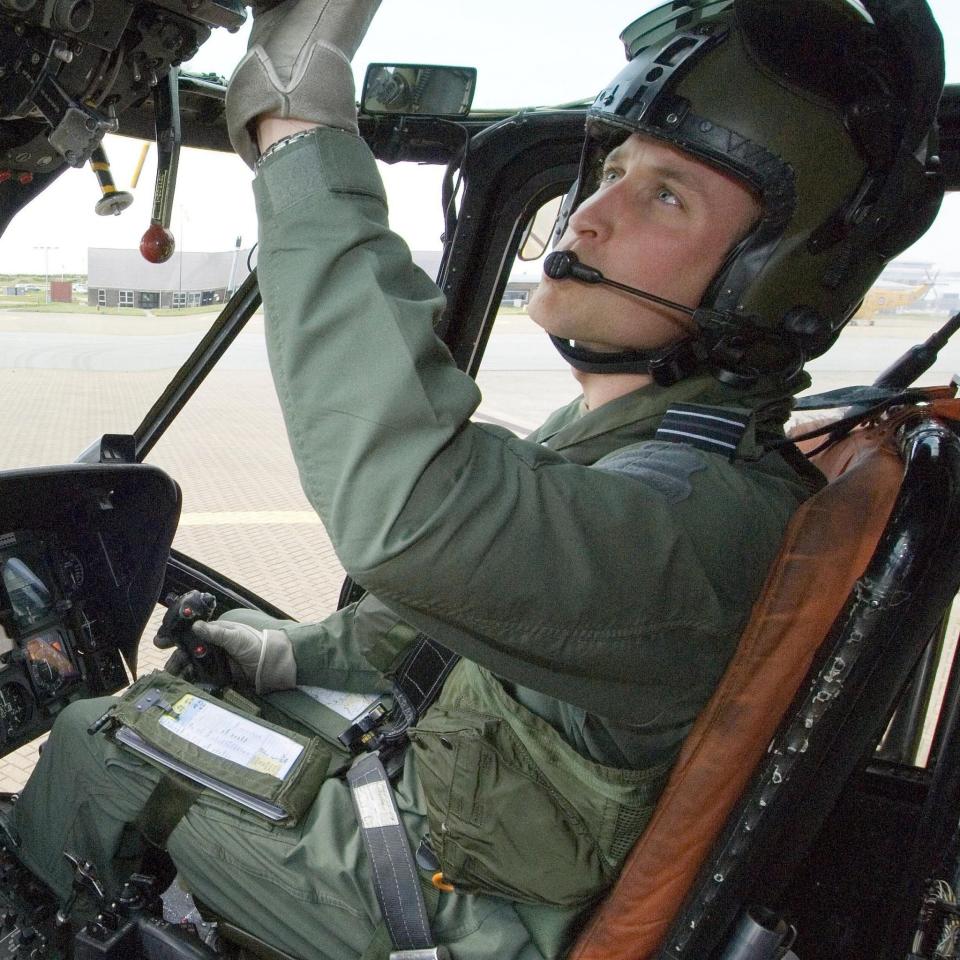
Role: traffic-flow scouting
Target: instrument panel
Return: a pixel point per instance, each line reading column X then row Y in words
column 54, row 639
column 83, row 549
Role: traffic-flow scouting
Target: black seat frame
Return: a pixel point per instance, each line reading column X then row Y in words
column 767, row 853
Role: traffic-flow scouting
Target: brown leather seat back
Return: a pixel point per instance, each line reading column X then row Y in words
column 805, row 591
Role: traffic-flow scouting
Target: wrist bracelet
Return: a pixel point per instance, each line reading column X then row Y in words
column 278, row 145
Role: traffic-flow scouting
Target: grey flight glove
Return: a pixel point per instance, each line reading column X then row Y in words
column 297, row 66
column 265, row 657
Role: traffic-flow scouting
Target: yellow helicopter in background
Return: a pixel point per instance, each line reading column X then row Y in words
column 890, row 297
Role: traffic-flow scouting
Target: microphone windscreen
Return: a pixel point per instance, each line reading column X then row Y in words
column 559, row 264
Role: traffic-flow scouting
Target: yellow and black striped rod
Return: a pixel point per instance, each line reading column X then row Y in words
column 112, row 200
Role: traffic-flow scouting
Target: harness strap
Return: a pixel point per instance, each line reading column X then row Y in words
column 166, row 806
column 422, row 673
column 395, row 878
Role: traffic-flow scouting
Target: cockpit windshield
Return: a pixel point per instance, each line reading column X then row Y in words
column 88, row 350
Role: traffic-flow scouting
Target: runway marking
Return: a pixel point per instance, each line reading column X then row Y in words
column 248, row 518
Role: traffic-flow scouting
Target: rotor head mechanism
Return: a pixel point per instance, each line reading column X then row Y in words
column 826, row 110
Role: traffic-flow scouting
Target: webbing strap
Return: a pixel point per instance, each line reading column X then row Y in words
column 422, row 673
column 395, row 878
column 166, row 806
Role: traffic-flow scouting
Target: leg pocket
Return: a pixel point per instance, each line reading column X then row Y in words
column 496, row 825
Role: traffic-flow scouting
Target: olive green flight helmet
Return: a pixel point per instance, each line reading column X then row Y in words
column 826, row 108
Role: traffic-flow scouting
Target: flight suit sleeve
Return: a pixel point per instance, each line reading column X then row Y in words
column 350, row 650
column 588, row 585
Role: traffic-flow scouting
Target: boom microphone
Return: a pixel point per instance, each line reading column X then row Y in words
column 718, row 341
column 564, row 264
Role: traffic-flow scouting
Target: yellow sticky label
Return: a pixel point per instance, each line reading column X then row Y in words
column 183, row 703
column 261, row 763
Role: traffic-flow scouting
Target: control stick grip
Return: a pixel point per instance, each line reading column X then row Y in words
column 209, row 663
column 182, row 612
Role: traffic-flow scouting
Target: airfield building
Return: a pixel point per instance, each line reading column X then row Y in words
column 122, row 278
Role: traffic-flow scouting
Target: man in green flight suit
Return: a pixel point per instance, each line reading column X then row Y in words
column 594, row 577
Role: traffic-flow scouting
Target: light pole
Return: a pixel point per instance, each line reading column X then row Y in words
column 46, row 270
column 184, row 218
column 233, row 267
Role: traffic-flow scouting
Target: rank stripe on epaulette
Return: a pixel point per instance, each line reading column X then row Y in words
column 693, row 436
column 715, row 429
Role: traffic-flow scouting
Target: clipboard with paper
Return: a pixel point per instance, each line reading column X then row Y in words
column 265, row 768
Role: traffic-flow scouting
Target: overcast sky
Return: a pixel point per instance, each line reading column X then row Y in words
column 527, row 53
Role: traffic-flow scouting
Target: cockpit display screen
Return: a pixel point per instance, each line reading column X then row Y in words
column 27, row 585
column 48, row 652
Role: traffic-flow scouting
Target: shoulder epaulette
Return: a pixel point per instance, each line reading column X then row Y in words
column 714, row 429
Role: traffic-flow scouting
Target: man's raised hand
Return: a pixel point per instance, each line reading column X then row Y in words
column 297, row 66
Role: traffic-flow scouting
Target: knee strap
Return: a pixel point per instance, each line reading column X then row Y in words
column 166, row 806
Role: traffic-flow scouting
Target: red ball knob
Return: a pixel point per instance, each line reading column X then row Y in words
column 157, row 244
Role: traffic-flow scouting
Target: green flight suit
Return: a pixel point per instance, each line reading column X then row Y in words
column 595, row 599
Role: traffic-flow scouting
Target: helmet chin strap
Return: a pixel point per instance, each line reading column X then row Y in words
column 718, row 345
column 666, row 365
column 595, row 361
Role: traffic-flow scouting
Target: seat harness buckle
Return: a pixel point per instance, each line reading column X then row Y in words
column 416, row 684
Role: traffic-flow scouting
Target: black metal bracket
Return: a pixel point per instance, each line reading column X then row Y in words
column 75, row 129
